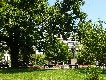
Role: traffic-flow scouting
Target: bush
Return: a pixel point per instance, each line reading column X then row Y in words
column 40, row 59
column 93, row 73
column 85, row 57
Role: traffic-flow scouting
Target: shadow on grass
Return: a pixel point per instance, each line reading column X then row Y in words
column 82, row 70
column 103, row 71
column 22, row 70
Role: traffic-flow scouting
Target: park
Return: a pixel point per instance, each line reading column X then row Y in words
column 40, row 41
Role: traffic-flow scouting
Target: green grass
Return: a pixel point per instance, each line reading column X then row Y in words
column 28, row 74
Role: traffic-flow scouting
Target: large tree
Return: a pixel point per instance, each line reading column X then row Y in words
column 93, row 39
column 24, row 23
column 19, row 25
column 61, row 19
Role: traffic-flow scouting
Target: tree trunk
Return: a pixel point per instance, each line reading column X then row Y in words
column 26, row 60
column 14, row 56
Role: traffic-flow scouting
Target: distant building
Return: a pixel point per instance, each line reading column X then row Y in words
column 72, row 43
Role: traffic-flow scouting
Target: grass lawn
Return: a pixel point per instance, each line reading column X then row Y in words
column 28, row 74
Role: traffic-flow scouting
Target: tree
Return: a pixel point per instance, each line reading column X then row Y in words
column 19, row 26
column 24, row 23
column 61, row 19
column 57, row 51
column 93, row 39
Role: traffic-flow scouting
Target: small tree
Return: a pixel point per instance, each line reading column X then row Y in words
column 57, row 51
column 40, row 58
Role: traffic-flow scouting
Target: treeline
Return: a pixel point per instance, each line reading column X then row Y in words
column 93, row 41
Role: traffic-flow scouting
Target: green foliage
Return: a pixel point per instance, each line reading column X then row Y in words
column 19, row 26
column 70, row 55
column 1, row 55
column 40, row 58
column 24, row 23
column 93, row 73
column 85, row 57
column 57, row 51
column 93, row 39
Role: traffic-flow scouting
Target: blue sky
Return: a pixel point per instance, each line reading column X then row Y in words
column 52, row 2
column 94, row 8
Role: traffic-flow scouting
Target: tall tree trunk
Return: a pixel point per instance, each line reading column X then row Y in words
column 14, row 51
column 26, row 60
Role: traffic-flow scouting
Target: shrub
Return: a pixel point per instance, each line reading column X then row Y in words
column 40, row 59
column 85, row 57
column 93, row 73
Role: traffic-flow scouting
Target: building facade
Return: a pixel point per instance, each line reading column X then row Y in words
column 72, row 43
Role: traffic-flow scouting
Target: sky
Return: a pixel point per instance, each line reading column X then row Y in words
column 95, row 9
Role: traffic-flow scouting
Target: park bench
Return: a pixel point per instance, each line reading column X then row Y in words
column 71, row 65
column 48, row 65
column 4, row 64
